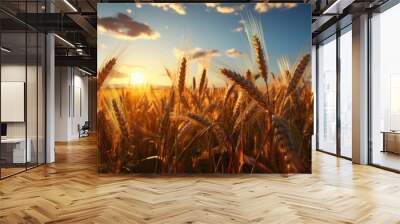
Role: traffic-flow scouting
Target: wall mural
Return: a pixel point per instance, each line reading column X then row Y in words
column 204, row 88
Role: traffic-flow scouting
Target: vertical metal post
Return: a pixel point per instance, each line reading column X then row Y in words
column 369, row 96
column 26, row 86
column 338, row 81
column 0, row 95
column 317, row 97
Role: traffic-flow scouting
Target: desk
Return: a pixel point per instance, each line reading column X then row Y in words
column 13, row 150
column 391, row 141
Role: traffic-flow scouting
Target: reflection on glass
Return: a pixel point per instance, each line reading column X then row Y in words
column 31, row 99
column 22, row 90
column 385, row 86
column 14, row 153
column 41, row 98
column 346, row 94
column 327, row 96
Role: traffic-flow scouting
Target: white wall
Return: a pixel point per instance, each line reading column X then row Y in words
column 11, row 73
column 62, row 81
column 71, row 94
column 16, row 73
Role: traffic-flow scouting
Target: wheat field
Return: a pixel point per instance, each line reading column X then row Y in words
column 185, row 129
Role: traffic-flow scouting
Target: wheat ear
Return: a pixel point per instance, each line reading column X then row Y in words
column 282, row 132
column 228, row 93
column 182, row 76
column 260, row 57
column 105, row 72
column 218, row 131
column 120, row 118
column 246, row 86
column 298, row 73
column 249, row 76
column 245, row 115
column 202, row 81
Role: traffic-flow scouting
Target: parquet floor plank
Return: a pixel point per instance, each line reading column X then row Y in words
column 71, row 191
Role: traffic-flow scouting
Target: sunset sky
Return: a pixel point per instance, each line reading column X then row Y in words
column 149, row 37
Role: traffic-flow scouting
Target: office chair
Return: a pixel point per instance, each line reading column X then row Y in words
column 84, row 130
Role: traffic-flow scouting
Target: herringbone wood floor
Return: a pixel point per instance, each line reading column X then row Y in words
column 71, row 191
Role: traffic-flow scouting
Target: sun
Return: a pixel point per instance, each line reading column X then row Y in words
column 137, row 78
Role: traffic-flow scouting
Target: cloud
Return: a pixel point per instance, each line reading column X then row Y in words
column 196, row 53
column 124, row 27
column 233, row 53
column 264, row 7
column 179, row 8
column 224, row 9
column 212, row 5
column 238, row 29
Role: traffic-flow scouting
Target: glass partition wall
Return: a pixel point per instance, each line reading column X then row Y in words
column 327, row 95
column 22, row 77
column 334, row 93
column 385, row 89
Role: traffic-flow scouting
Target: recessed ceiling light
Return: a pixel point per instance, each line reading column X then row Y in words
column 5, row 50
column 70, row 5
column 84, row 71
column 64, row 40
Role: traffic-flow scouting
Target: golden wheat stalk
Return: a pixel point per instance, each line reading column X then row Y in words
column 205, row 85
column 182, row 76
column 170, row 76
column 282, row 132
column 120, row 118
column 249, row 76
column 228, row 93
column 211, row 108
column 246, row 86
column 298, row 73
column 194, row 83
column 260, row 57
column 238, row 103
column 202, row 81
column 245, row 115
column 198, row 119
column 218, row 131
column 165, row 119
column 105, row 72
column 273, row 75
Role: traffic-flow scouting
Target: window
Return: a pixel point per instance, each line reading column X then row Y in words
column 385, row 89
column 327, row 96
column 346, row 92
